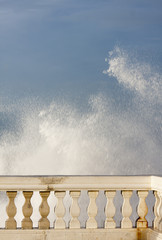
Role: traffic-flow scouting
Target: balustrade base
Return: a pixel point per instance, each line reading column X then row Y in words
column 142, row 224
column 11, row 224
column 80, row 234
column 110, row 224
column 27, row 224
column 44, row 224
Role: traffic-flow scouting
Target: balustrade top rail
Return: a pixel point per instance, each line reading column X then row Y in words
column 57, row 183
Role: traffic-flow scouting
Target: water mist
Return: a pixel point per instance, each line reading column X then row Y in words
column 105, row 138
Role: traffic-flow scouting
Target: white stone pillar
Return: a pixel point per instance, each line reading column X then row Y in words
column 92, row 210
column 126, row 210
column 156, row 210
column 142, row 209
column 11, row 211
column 110, row 209
column 160, row 212
column 75, row 209
column 60, row 210
column 44, row 211
column 27, row 211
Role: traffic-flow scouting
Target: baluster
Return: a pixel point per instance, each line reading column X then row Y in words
column 156, row 210
column 44, row 211
column 126, row 210
column 11, row 211
column 75, row 209
column 160, row 212
column 27, row 211
column 60, row 209
column 92, row 210
column 142, row 209
column 110, row 209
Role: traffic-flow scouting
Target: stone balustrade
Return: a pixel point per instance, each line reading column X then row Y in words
column 60, row 186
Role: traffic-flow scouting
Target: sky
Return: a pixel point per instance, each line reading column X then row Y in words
column 52, row 48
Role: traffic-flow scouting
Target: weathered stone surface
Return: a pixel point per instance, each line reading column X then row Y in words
column 60, row 210
column 142, row 209
column 11, row 210
column 92, row 210
column 126, row 210
column 27, row 211
column 110, row 209
column 75, row 210
column 44, row 211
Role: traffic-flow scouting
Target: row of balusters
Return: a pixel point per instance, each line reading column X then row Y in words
column 110, row 210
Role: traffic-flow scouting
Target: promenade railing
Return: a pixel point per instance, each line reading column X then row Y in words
column 74, row 186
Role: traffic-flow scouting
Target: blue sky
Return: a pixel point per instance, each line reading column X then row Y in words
column 58, row 47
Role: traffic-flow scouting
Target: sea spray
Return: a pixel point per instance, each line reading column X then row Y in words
column 104, row 138
column 60, row 140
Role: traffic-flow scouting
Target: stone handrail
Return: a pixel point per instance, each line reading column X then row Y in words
column 43, row 183
column 75, row 184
